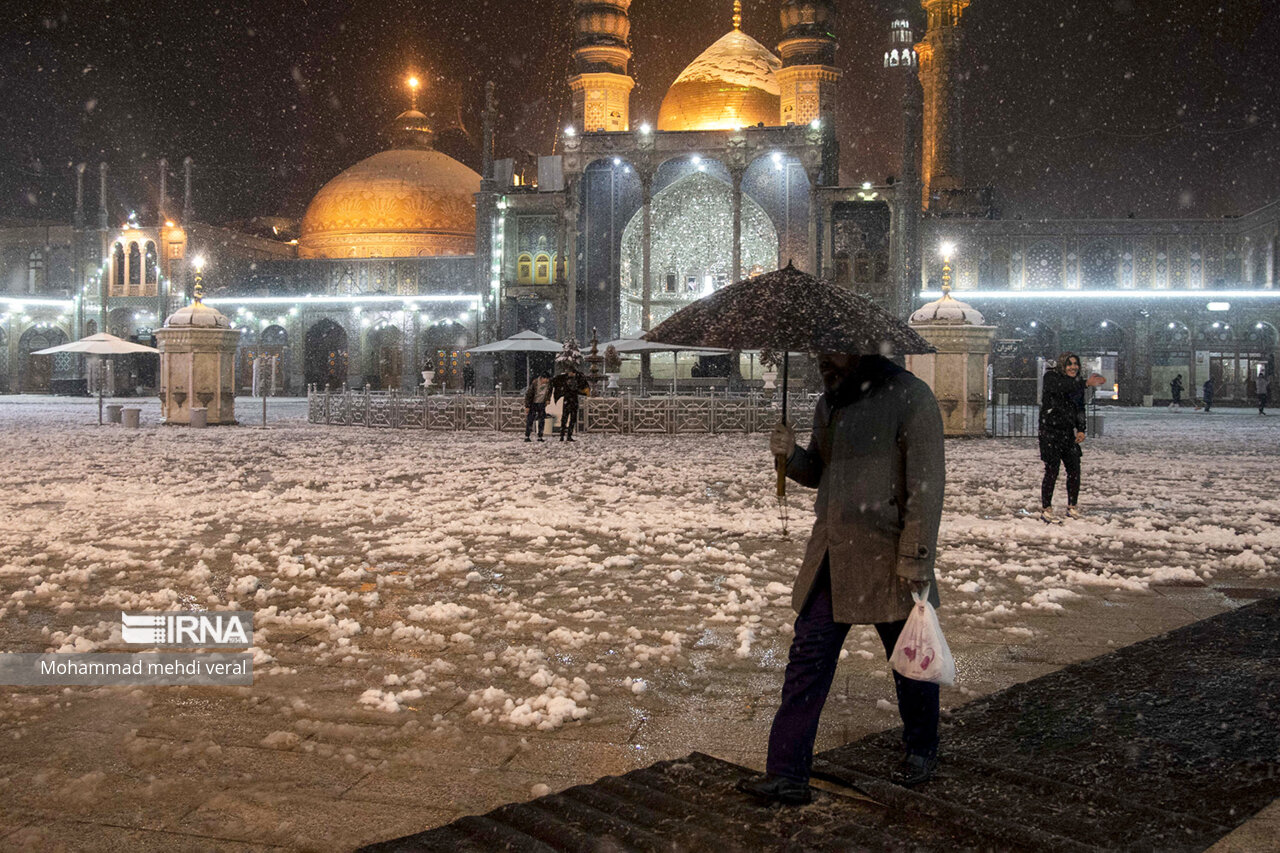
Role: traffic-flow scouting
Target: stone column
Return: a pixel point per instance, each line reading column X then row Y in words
column 736, row 177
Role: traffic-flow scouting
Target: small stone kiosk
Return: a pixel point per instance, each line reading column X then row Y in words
column 957, row 372
column 197, row 365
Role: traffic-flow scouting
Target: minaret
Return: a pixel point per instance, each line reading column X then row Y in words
column 102, row 201
column 808, row 76
column 601, row 50
column 188, row 211
column 78, row 221
column 163, row 204
column 902, row 62
column 939, row 52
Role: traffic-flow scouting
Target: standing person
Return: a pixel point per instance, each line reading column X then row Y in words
column 1208, row 394
column 1262, row 386
column 876, row 459
column 1175, row 388
column 468, row 379
column 568, row 386
column 1062, row 428
column 535, row 404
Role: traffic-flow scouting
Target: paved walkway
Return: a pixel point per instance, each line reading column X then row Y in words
column 1169, row 744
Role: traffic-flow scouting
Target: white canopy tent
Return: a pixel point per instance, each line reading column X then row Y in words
column 101, row 344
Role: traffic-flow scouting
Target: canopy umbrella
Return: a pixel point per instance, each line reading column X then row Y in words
column 637, row 343
column 523, row 341
column 789, row 311
column 99, row 344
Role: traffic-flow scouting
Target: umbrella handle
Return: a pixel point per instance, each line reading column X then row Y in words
column 780, row 462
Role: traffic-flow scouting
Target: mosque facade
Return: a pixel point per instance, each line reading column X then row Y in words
column 408, row 258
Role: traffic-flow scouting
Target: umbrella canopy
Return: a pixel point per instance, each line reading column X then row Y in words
column 525, row 341
column 99, row 344
column 638, row 343
column 789, row 311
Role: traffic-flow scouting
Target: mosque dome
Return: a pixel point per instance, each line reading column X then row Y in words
column 411, row 201
column 732, row 84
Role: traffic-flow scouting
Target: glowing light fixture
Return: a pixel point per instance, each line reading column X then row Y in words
column 1218, row 306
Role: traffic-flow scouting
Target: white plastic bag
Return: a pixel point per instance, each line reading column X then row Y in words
column 921, row 652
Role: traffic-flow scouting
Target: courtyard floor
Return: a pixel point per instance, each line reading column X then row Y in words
column 445, row 622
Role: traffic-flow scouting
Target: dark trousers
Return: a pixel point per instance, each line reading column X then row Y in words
column 568, row 420
column 1071, row 461
column 815, row 650
column 538, row 411
column 1262, row 403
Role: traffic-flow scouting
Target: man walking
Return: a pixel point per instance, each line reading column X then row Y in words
column 1175, row 390
column 1262, row 386
column 535, row 404
column 568, row 386
column 876, row 458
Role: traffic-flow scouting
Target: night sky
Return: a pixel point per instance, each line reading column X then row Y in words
column 1090, row 108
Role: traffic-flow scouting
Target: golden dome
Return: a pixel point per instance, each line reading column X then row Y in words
column 404, row 203
column 731, row 85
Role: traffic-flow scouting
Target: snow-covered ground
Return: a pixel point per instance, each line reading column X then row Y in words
column 445, row 621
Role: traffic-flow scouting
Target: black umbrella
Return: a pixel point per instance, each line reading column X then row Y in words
column 789, row 311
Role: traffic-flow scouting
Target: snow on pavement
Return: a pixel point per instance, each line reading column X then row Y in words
column 469, row 584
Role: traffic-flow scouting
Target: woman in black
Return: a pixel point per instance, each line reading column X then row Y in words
column 1062, row 427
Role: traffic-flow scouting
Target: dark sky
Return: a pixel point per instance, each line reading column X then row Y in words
column 1085, row 108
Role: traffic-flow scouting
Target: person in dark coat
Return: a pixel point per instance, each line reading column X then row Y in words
column 535, row 404
column 1175, row 388
column 1062, row 429
column 1262, row 385
column 1208, row 394
column 568, row 386
column 876, row 458
column 468, row 379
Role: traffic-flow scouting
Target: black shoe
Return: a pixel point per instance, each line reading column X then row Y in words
column 539, row 438
column 570, row 438
column 526, row 438
column 777, row 789
column 915, row 770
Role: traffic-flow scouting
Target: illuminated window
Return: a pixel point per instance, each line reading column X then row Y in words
column 135, row 267
column 151, row 270
column 542, row 269
column 524, row 269
column 117, row 270
column 35, row 272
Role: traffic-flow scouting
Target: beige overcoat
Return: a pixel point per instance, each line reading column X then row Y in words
column 878, row 465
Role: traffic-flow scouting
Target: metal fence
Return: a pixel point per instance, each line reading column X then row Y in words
column 1014, row 410
column 656, row 414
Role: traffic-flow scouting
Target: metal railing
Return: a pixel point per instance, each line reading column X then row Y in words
column 1014, row 410
column 717, row 413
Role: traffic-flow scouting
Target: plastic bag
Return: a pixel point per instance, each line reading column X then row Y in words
column 555, row 408
column 921, row 652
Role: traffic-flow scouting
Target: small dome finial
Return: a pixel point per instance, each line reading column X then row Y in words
column 737, row 14
column 414, row 84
